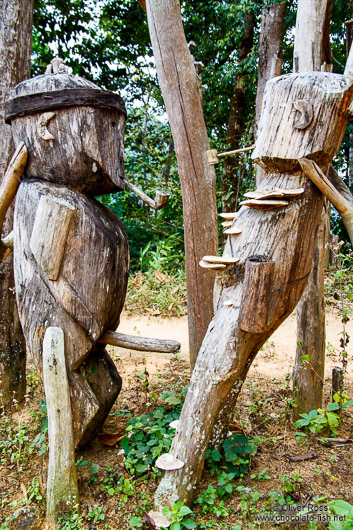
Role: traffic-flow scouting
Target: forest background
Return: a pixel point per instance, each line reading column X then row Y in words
column 108, row 42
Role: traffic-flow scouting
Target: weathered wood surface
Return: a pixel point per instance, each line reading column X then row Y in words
column 15, row 60
column 270, row 48
column 86, row 153
column 279, row 144
column 256, row 295
column 8, row 189
column 75, row 97
column 270, row 57
column 180, row 88
column 85, row 300
column 62, row 487
column 159, row 202
column 49, row 234
column 311, row 45
column 308, row 377
column 139, row 343
column 286, row 237
column 313, row 22
column 342, row 203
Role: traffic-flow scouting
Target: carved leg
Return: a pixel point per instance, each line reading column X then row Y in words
column 62, row 488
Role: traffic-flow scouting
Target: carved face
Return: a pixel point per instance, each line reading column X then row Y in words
column 80, row 147
column 302, row 117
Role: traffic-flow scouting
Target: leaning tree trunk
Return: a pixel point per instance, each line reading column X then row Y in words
column 270, row 56
column 178, row 80
column 310, row 53
column 285, row 235
column 15, row 46
column 231, row 179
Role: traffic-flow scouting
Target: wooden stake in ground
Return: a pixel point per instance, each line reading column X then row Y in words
column 180, row 88
column 311, row 51
column 62, row 488
column 285, row 236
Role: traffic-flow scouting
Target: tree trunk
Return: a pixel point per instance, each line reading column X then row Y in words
column 15, row 46
column 283, row 235
column 231, row 180
column 179, row 84
column 270, row 56
column 310, row 52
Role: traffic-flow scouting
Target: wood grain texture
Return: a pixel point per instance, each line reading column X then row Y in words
column 179, row 84
column 62, row 487
column 279, row 145
column 15, row 59
column 86, row 299
column 139, row 343
column 286, row 237
column 86, row 153
column 49, row 234
column 256, row 295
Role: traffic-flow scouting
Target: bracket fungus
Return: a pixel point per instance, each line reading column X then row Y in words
column 168, row 462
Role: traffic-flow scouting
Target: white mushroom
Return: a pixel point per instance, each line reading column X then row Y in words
column 174, row 424
column 228, row 303
column 264, row 204
column 220, row 259
column 232, row 231
column 208, row 265
column 230, row 215
column 168, row 462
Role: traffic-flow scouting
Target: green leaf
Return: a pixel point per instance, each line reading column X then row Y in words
column 135, row 521
column 216, row 456
column 175, row 526
column 347, row 403
column 341, row 508
column 111, row 491
column 188, row 523
column 333, row 406
column 94, row 469
column 172, row 400
column 185, row 510
column 312, row 414
column 94, row 369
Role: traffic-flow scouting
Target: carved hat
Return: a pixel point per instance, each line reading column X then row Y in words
column 57, row 89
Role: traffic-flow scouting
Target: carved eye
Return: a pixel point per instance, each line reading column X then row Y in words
column 305, row 114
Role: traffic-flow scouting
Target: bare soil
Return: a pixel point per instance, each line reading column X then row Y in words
column 263, row 413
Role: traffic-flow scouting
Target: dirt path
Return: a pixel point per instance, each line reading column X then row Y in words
column 275, row 360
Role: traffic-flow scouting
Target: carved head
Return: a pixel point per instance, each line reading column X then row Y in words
column 73, row 130
column 303, row 115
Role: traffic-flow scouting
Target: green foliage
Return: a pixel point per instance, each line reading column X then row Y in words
column 319, row 420
column 235, row 454
column 157, row 293
column 177, row 516
column 343, row 509
column 149, row 435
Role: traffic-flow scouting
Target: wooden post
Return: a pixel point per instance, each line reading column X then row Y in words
column 337, row 380
column 62, row 488
column 256, row 295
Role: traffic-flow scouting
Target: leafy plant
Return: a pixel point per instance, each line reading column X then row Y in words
column 344, row 511
column 177, row 515
column 235, row 452
column 318, row 420
column 150, row 435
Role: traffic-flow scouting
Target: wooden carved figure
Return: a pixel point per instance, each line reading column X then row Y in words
column 71, row 254
column 266, row 261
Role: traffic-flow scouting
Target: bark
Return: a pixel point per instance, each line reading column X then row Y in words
column 311, row 51
column 285, row 236
column 180, row 88
column 15, row 54
column 270, row 56
column 231, row 180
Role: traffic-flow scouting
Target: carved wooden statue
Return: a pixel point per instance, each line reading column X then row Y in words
column 70, row 252
column 272, row 241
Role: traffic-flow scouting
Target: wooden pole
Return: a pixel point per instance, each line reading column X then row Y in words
column 62, row 488
column 139, row 343
column 180, row 89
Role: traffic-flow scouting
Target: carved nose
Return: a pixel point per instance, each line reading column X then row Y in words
column 305, row 114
